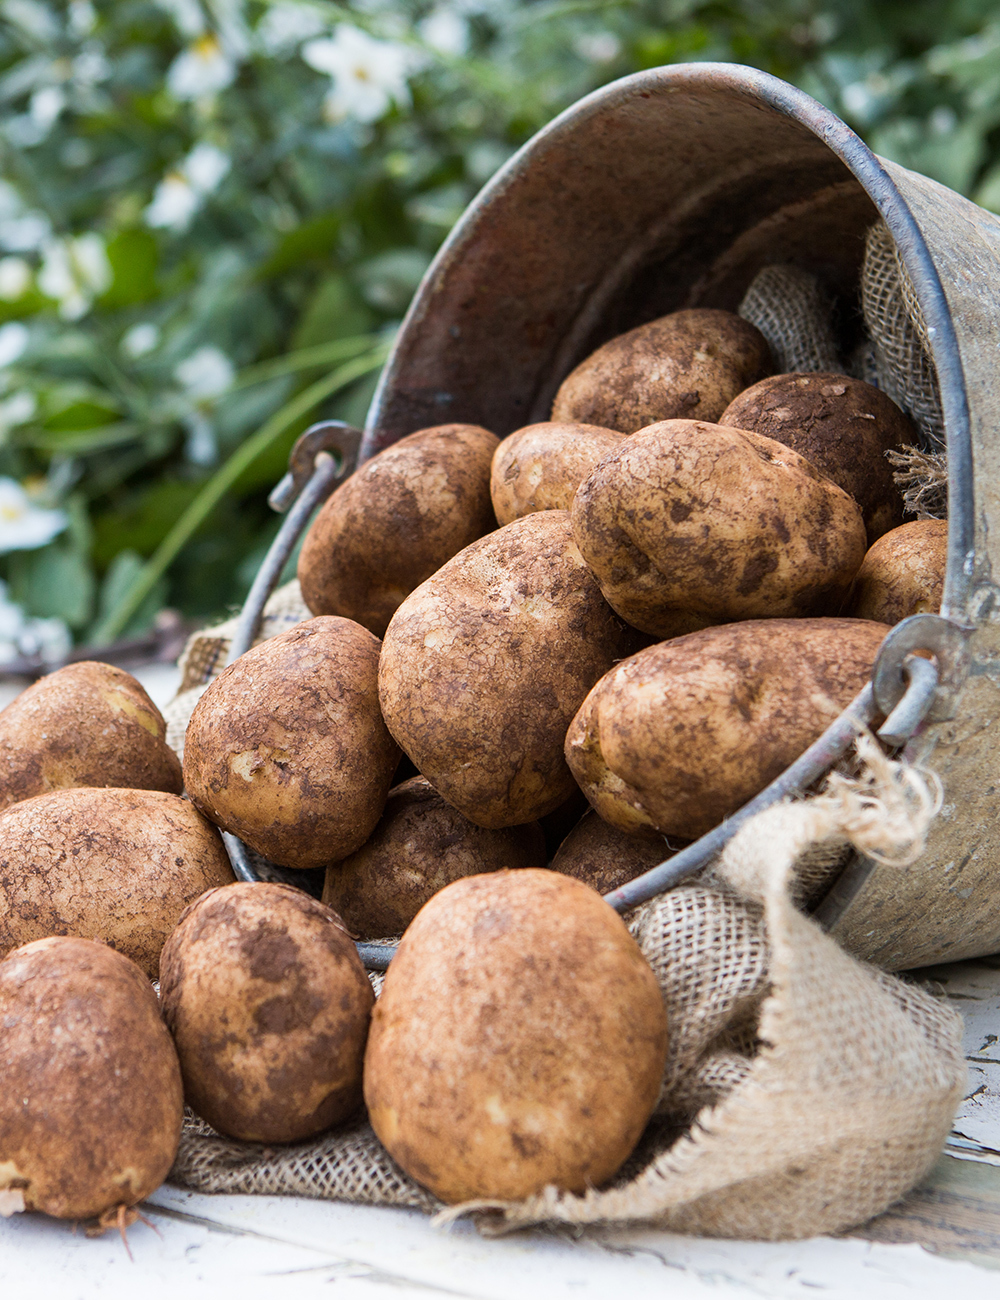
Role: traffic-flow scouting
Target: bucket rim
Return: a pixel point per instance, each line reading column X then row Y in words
column 867, row 168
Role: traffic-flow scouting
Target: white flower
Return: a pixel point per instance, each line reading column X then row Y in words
column 90, row 67
column 202, row 70
column 181, row 192
column 205, row 374
column 598, row 47
column 187, row 15
column 174, row 203
column 25, row 233
column 16, row 409
column 286, row 25
column 74, row 272
column 45, row 106
column 445, row 31
column 140, row 339
column 82, row 17
column 205, row 166
column 24, row 526
column 200, row 447
column 13, row 341
column 48, row 638
column 15, row 278
column 367, row 74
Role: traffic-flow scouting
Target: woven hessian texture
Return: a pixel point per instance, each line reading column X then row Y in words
column 793, row 313
column 896, row 326
column 804, row 1091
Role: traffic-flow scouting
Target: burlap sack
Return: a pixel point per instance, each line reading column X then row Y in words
column 896, row 326
column 205, row 654
column 793, row 313
column 804, row 1091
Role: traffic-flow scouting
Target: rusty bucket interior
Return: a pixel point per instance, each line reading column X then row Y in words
column 672, row 188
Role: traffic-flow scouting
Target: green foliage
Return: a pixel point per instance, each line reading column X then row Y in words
column 210, row 223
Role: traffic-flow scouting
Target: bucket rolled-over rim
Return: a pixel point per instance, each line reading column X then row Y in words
column 770, row 92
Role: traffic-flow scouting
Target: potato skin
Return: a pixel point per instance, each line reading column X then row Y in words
column 541, row 466
column 519, row 1040
column 268, row 1002
column 843, row 426
column 484, row 665
column 690, row 524
column 685, row 366
column 395, row 521
column 287, row 748
column 903, row 573
column 86, row 724
column 605, row 857
column 91, row 1104
column 115, row 865
column 683, row 734
column 420, row 845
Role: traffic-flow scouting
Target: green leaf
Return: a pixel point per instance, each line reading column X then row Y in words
column 221, row 482
column 122, row 573
column 54, row 582
column 133, row 256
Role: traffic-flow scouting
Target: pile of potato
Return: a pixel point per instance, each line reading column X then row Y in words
column 586, row 643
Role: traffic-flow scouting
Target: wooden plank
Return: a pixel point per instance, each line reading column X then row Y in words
column 955, row 1212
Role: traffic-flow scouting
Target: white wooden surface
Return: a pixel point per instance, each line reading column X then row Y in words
column 271, row 1247
column 257, row 1247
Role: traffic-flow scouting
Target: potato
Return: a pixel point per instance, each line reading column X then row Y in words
column 87, row 724
column 688, row 365
column 420, row 845
column 287, row 748
column 903, row 573
column 116, row 865
column 683, row 734
column 395, row 522
column 484, row 665
column 540, row 467
column 842, row 426
column 604, row 857
column 519, row 1041
column 91, row 1103
column 268, row 1002
column 690, row 524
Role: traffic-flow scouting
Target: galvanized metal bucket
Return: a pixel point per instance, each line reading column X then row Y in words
column 671, row 189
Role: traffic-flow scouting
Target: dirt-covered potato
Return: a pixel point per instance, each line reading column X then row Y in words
column 287, row 748
column 91, row 1103
column 115, row 865
column 689, row 524
column 605, row 857
column 420, row 845
column 395, row 522
column 903, row 573
column 268, row 1002
column 683, row 734
column 842, row 425
column 484, row 665
column 685, row 366
column 87, row 724
column 519, row 1040
column 540, row 467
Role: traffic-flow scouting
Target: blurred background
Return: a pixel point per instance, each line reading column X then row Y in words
column 213, row 214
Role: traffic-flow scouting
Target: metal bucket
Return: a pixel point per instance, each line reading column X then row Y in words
column 671, row 189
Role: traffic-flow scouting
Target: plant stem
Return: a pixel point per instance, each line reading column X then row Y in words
column 219, row 484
